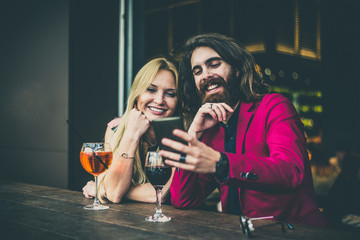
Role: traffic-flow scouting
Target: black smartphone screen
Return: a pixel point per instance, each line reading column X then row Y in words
column 163, row 129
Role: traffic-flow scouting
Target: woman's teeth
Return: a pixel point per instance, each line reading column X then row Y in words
column 156, row 109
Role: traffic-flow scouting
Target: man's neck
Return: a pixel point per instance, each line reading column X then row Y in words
column 229, row 116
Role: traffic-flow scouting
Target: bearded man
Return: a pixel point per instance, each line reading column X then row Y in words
column 243, row 140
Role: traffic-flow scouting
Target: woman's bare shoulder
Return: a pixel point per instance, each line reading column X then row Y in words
column 114, row 123
column 111, row 128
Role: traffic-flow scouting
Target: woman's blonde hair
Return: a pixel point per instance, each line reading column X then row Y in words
column 141, row 82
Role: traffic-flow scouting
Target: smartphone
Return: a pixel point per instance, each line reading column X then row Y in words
column 163, row 129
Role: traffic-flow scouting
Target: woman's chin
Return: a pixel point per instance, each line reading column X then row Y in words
column 151, row 117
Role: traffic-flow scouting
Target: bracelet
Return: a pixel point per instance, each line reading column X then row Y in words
column 126, row 156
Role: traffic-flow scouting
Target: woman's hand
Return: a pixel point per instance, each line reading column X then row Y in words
column 208, row 116
column 137, row 124
column 117, row 180
column 198, row 157
column 89, row 190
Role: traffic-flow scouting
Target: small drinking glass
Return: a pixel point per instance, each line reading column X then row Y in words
column 247, row 224
column 158, row 175
column 96, row 159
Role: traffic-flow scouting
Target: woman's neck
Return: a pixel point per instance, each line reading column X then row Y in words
column 149, row 137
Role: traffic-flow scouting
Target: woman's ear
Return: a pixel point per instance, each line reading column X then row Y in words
column 135, row 105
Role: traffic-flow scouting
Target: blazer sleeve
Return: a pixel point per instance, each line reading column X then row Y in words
column 189, row 189
column 281, row 164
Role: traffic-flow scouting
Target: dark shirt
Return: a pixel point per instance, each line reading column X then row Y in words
column 230, row 147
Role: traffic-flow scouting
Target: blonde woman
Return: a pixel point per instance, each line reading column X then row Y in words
column 153, row 95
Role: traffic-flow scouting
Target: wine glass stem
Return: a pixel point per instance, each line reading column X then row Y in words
column 158, row 200
column 96, row 200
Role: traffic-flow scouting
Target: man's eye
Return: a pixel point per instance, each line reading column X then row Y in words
column 215, row 65
column 197, row 72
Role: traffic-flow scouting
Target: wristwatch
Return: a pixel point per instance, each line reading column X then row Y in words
column 222, row 167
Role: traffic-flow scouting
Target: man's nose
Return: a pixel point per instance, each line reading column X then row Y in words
column 207, row 74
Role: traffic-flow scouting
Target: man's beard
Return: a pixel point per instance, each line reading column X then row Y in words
column 230, row 94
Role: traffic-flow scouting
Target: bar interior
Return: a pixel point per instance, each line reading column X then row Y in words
column 75, row 61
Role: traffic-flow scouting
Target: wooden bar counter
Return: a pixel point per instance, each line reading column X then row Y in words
column 40, row 212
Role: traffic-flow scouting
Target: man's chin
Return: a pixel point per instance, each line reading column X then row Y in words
column 216, row 98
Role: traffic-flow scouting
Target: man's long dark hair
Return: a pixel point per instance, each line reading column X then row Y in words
column 250, row 87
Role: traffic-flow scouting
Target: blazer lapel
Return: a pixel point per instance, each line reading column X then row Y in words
column 245, row 117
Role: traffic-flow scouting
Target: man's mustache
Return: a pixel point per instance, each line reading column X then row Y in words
column 204, row 84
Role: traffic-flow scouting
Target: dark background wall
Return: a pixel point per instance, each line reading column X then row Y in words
column 340, row 72
column 93, row 76
column 34, row 91
column 58, row 62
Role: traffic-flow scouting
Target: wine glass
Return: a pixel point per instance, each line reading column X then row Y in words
column 158, row 175
column 96, row 158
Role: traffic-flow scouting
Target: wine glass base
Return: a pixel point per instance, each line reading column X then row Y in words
column 158, row 218
column 96, row 207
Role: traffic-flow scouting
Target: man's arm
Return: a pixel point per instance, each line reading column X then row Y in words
column 190, row 189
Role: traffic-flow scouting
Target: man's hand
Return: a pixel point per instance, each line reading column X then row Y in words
column 198, row 157
column 208, row 116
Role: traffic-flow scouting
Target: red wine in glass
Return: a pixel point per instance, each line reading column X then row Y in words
column 158, row 175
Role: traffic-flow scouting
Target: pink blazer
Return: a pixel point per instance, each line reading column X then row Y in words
column 270, row 167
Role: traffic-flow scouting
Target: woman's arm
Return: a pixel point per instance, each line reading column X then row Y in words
column 117, row 179
column 146, row 192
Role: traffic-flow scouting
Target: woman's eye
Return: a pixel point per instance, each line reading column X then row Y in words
column 171, row 94
column 152, row 90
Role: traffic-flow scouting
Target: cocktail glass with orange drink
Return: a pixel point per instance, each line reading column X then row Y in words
column 96, row 157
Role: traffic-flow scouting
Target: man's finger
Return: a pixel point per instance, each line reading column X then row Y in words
column 184, row 166
column 185, row 136
column 170, row 155
column 227, row 107
column 177, row 146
